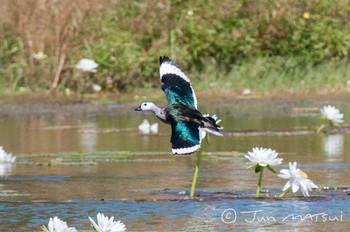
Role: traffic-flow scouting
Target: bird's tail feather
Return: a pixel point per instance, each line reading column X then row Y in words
column 211, row 126
column 212, row 131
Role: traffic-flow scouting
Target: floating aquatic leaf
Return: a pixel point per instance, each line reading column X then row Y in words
column 145, row 160
column 216, row 158
column 67, row 163
column 92, row 158
column 12, row 193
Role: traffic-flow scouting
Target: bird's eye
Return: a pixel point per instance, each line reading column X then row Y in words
column 145, row 104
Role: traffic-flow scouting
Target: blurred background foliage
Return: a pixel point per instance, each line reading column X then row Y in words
column 228, row 44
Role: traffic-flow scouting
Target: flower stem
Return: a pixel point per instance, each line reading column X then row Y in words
column 320, row 128
column 285, row 192
column 194, row 181
column 259, row 184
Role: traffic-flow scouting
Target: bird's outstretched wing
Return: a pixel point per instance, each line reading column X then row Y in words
column 175, row 84
column 185, row 137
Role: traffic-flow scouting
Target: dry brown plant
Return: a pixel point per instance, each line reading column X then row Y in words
column 49, row 26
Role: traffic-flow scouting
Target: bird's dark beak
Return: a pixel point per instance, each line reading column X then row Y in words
column 138, row 109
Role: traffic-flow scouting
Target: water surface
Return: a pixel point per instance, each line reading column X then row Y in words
column 31, row 191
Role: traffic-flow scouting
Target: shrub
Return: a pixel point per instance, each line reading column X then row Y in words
column 126, row 39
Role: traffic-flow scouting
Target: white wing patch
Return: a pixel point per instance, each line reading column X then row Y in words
column 187, row 150
column 169, row 68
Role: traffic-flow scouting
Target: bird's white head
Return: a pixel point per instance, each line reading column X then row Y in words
column 146, row 106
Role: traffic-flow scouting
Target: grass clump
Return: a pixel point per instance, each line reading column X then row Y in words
column 266, row 74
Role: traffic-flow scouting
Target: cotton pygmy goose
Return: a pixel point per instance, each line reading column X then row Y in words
column 181, row 111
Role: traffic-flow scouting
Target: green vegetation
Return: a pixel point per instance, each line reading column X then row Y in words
column 92, row 158
column 265, row 45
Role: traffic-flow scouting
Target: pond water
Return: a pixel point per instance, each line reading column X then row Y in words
column 77, row 158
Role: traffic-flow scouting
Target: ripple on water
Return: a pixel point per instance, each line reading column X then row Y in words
column 181, row 215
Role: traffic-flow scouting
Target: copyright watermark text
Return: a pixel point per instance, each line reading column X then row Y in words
column 230, row 216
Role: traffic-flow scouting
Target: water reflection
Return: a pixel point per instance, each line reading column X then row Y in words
column 333, row 147
column 5, row 169
column 88, row 139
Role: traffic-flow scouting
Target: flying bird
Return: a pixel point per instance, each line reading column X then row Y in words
column 181, row 112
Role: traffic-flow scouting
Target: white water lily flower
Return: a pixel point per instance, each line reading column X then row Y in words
column 332, row 114
column 205, row 130
column 6, row 158
column 263, row 157
column 57, row 225
column 96, row 87
column 39, row 56
column 298, row 179
column 246, row 92
column 105, row 224
column 154, row 128
column 145, row 127
column 88, row 65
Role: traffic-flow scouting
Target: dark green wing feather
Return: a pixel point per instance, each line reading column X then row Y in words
column 185, row 137
column 175, row 84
